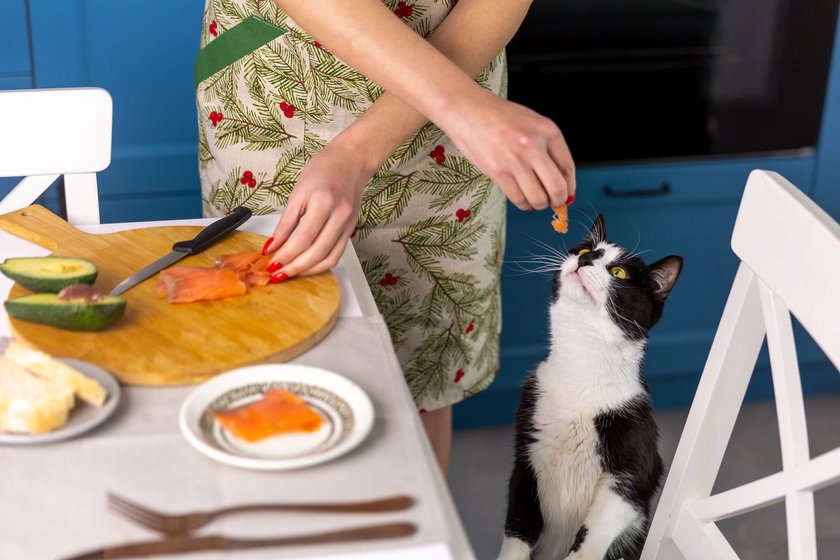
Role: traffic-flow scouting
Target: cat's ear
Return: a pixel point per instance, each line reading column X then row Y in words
column 664, row 274
column 598, row 231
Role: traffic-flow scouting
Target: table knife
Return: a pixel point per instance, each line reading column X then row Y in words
column 181, row 545
column 181, row 249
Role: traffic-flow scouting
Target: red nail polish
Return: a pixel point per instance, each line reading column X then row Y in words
column 267, row 243
column 274, row 266
column 279, row 277
column 570, row 200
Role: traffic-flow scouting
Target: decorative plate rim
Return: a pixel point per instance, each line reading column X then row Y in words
column 196, row 404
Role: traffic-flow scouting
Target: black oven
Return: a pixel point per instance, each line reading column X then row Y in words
column 657, row 79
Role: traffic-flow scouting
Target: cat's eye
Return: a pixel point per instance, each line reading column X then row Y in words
column 618, row 272
column 583, row 252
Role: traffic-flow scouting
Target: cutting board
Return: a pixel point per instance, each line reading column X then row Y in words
column 158, row 343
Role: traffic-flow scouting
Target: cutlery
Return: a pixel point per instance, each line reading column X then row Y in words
column 181, row 249
column 183, row 544
column 184, row 523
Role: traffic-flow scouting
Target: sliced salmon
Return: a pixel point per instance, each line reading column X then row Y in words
column 278, row 412
column 560, row 221
column 186, row 284
column 237, row 262
column 233, row 275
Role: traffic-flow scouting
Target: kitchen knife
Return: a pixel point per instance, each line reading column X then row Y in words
column 185, row 544
column 204, row 239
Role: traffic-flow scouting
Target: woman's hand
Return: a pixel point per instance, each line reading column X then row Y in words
column 520, row 150
column 321, row 214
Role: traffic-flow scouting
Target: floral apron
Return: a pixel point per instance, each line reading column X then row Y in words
column 430, row 234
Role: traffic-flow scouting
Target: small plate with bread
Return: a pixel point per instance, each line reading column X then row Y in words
column 45, row 399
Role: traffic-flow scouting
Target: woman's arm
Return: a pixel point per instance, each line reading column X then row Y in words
column 469, row 38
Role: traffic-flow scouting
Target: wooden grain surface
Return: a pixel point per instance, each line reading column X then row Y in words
column 158, row 343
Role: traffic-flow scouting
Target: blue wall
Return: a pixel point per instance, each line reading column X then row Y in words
column 142, row 53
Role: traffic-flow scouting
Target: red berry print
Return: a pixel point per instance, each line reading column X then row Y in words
column 438, row 154
column 212, row 29
column 317, row 44
column 215, row 117
column 389, row 280
column 470, row 327
column 462, row 214
column 248, row 179
column 423, row 411
column 288, row 110
column 403, row 10
column 458, row 375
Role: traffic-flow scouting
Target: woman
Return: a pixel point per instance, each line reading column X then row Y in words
column 302, row 123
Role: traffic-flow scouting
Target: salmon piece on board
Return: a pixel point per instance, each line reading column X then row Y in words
column 185, row 284
column 278, row 412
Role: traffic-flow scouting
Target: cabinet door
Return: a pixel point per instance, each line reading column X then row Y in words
column 14, row 45
column 142, row 53
column 656, row 210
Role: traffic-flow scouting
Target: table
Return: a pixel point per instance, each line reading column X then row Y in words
column 52, row 497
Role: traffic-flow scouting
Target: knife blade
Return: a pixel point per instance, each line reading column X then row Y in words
column 181, row 545
column 181, row 249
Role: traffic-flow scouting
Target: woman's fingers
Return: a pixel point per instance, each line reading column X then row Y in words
column 511, row 189
column 322, row 254
column 563, row 161
column 309, row 226
column 289, row 220
column 532, row 188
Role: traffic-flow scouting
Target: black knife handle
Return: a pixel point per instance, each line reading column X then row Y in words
column 214, row 232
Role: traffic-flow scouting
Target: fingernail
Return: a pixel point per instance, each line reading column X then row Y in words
column 274, row 266
column 279, row 277
column 267, row 243
column 570, row 200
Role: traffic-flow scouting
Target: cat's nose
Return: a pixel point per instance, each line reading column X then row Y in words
column 585, row 260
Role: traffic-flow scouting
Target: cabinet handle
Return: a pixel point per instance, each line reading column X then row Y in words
column 662, row 189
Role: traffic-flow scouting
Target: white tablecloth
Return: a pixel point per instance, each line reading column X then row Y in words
column 52, row 497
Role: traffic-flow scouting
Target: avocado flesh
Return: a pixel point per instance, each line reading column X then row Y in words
column 75, row 315
column 49, row 274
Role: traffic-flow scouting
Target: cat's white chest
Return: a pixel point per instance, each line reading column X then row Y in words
column 568, row 468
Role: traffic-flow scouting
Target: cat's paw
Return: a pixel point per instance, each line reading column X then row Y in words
column 580, row 555
column 514, row 549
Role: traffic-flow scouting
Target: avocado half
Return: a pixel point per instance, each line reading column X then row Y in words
column 75, row 315
column 49, row 274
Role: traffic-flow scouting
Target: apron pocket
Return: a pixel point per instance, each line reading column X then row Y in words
column 241, row 39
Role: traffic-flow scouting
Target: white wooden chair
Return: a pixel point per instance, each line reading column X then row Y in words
column 790, row 262
column 45, row 133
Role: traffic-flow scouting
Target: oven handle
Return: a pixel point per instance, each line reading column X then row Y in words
column 662, row 189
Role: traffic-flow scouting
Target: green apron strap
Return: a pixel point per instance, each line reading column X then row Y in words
column 241, row 39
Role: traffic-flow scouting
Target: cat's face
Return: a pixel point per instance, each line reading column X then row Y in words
column 603, row 279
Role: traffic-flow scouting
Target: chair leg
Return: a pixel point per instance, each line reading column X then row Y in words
column 82, row 198
column 793, row 429
column 713, row 413
column 25, row 192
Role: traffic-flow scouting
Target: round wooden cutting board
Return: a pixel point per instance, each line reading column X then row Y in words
column 158, row 343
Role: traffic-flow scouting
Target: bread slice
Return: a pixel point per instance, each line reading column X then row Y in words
column 90, row 390
column 30, row 404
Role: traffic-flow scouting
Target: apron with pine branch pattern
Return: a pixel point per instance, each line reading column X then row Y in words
column 430, row 234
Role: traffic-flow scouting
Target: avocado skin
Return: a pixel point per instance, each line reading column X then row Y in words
column 25, row 271
column 47, row 309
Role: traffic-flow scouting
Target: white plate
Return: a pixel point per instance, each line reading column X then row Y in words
column 345, row 408
column 83, row 417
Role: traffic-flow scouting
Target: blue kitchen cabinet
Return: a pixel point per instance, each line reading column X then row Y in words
column 142, row 53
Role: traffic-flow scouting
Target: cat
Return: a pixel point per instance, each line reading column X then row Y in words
column 586, row 464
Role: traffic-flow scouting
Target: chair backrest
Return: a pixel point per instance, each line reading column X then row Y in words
column 790, row 263
column 46, row 133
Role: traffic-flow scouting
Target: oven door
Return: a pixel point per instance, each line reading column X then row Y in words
column 653, row 79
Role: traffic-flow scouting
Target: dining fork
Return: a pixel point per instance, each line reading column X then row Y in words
column 179, row 524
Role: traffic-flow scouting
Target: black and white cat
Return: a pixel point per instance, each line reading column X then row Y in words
column 586, row 464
